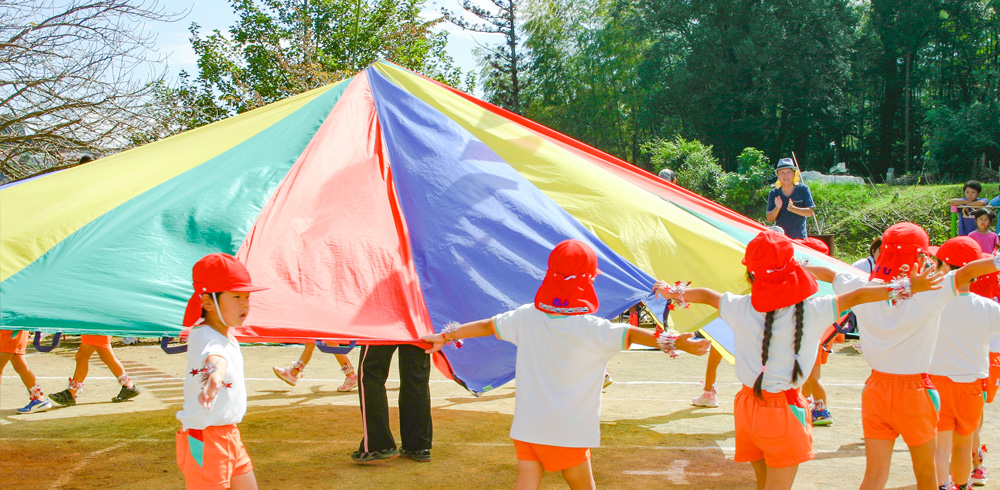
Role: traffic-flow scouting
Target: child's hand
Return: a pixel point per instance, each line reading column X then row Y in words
column 210, row 390
column 687, row 343
column 662, row 289
column 925, row 279
column 436, row 341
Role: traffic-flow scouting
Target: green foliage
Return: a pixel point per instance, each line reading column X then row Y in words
column 746, row 190
column 697, row 169
column 957, row 139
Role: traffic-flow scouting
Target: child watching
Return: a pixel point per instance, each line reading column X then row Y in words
column 562, row 351
column 966, row 223
column 101, row 344
column 210, row 451
column 960, row 363
column 13, row 344
column 983, row 235
column 898, row 341
column 778, row 329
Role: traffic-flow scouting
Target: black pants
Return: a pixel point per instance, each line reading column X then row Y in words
column 414, row 397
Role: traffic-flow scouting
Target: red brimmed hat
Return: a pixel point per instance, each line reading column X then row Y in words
column 778, row 279
column 901, row 244
column 987, row 285
column 216, row 273
column 959, row 251
column 568, row 287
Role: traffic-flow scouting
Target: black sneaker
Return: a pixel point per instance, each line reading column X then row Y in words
column 64, row 397
column 420, row 455
column 127, row 393
column 363, row 457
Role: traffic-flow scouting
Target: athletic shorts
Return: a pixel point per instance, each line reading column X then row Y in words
column 961, row 404
column 894, row 405
column 11, row 343
column 772, row 428
column 96, row 340
column 993, row 382
column 553, row 458
column 210, row 458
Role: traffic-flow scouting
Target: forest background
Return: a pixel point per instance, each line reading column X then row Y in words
column 903, row 92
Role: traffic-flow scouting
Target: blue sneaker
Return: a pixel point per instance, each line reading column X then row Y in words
column 36, row 405
column 822, row 417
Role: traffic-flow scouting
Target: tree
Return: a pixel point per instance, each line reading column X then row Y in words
column 502, row 64
column 67, row 79
column 280, row 48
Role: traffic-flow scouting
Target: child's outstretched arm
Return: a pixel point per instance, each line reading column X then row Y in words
column 920, row 281
column 685, row 341
column 703, row 296
column 976, row 268
column 213, row 375
column 478, row 328
column 821, row 273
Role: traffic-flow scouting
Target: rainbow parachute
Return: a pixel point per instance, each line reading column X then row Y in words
column 377, row 209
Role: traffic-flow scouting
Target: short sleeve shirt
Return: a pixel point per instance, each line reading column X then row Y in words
column 899, row 339
column 793, row 224
column 748, row 329
column 230, row 405
column 967, row 324
column 966, row 222
column 560, row 374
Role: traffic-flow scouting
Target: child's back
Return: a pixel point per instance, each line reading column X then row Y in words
column 967, row 324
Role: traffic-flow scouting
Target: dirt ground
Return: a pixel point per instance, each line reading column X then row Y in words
column 302, row 437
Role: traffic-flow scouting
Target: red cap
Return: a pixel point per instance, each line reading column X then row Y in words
column 959, row 251
column 987, row 285
column 901, row 244
column 815, row 244
column 216, row 273
column 568, row 287
column 778, row 279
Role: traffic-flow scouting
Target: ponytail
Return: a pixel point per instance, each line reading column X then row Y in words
column 799, row 313
column 768, row 321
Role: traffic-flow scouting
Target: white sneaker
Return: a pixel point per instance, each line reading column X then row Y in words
column 707, row 399
column 607, row 380
column 286, row 375
column 349, row 383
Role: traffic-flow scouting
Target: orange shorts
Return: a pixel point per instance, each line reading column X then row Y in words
column 961, row 404
column 553, row 458
column 993, row 382
column 13, row 344
column 96, row 340
column 210, row 458
column 894, row 405
column 768, row 429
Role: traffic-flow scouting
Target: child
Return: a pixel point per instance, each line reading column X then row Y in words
column 867, row 264
column 562, row 351
column 102, row 345
column 898, row 399
column 291, row 375
column 13, row 344
column 966, row 223
column 210, row 451
column 777, row 329
column 983, row 235
column 960, row 362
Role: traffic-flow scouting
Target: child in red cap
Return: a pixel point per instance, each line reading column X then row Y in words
column 13, row 345
column 562, row 352
column 210, row 451
column 898, row 343
column 959, row 365
column 778, row 329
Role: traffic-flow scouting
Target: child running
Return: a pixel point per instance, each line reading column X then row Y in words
column 960, row 363
column 210, row 451
column 101, row 344
column 291, row 375
column 13, row 345
column 777, row 330
column 562, row 351
column 899, row 399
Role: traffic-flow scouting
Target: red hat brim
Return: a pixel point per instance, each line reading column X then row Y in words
column 772, row 292
column 574, row 296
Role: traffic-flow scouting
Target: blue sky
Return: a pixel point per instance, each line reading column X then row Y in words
column 173, row 45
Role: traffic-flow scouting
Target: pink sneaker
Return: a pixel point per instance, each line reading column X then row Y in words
column 286, row 374
column 707, row 399
column 979, row 476
column 349, row 383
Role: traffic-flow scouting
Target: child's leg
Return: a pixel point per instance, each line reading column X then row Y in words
column 961, row 465
column 350, row 377
column 111, row 361
column 922, row 457
column 975, row 441
column 813, row 386
column 529, row 475
column 878, row 456
column 307, row 353
column 760, row 471
column 580, row 477
column 5, row 357
column 246, row 481
column 714, row 359
column 942, row 455
column 21, row 367
column 82, row 364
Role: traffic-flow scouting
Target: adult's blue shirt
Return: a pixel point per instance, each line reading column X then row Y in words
column 793, row 224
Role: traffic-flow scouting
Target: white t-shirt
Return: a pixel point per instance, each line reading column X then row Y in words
column 748, row 329
column 560, row 374
column 995, row 343
column 230, row 405
column 962, row 352
column 866, row 264
column 899, row 339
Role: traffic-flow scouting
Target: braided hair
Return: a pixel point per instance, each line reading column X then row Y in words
column 766, row 346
